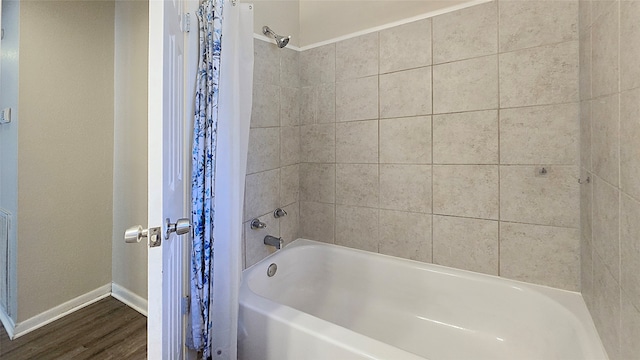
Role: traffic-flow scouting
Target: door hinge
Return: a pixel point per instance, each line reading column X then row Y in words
column 186, row 23
column 185, row 305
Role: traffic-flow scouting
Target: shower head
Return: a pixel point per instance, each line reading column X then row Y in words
column 281, row 41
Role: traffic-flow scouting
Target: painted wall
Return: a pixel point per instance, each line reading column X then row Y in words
column 314, row 21
column 65, row 161
column 129, row 261
column 274, row 149
column 283, row 17
column 324, row 20
column 610, row 157
column 426, row 140
column 9, row 145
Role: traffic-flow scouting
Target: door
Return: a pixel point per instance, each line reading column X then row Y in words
column 168, row 180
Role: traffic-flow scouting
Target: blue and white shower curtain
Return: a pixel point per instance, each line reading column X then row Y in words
column 204, row 174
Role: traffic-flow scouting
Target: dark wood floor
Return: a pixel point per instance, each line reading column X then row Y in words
column 107, row 329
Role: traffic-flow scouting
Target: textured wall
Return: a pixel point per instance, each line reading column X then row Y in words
column 610, row 157
column 65, row 157
column 424, row 141
column 274, row 149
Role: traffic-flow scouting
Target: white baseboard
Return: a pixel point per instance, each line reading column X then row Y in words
column 7, row 322
column 61, row 310
column 129, row 298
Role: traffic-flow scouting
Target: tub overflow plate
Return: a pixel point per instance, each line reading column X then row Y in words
column 271, row 270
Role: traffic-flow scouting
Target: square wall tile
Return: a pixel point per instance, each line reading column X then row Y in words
column 605, row 138
column 584, row 16
column 265, row 112
column 629, row 328
column 318, row 182
column 262, row 193
column 586, row 206
column 290, row 224
column 466, row 85
column 542, row 75
column 630, row 247
column 318, row 104
column 405, row 140
column 551, row 199
column 405, row 187
column 405, row 93
column 264, row 149
column 318, row 65
column 630, row 37
column 289, row 145
column 255, row 249
column 584, row 61
column 599, row 8
column 540, row 135
column 357, row 184
column 357, row 142
column 357, row 57
column 466, row 138
column 266, row 68
column 406, row 46
column 289, row 68
column 289, row 184
column 357, row 227
column 317, row 143
column 289, row 106
column 406, row 235
column 357, row 99
column 585, row 134
column 466, row 33
column 466, row 190
column 326, row 103
column 469, row 244
column 606, row 308
column 586, row 272
column 606, row 229
column 308, row 105
column 630, row 142
column 525, row 24
column 544, row 255
column 605, row 51
column 317, row 221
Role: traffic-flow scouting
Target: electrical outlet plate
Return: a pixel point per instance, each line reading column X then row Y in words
column 5, row 116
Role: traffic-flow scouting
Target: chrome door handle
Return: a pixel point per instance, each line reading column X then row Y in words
column 180, row 227
column 135, row 233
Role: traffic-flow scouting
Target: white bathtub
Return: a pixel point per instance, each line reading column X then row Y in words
column 331, row 302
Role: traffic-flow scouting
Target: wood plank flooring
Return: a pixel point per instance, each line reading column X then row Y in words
column 107, row 329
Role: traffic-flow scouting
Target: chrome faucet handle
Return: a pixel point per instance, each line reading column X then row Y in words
column 257, row 224
column 278, row 213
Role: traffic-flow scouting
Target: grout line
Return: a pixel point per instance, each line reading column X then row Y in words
column 499, row 143
column 335, row 146
column 379, row 141
column 432, row 137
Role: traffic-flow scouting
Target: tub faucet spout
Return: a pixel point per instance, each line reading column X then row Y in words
column 273, row 241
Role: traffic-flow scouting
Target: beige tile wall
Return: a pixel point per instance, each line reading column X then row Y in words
column 273, row 167
column 610, row 157
column 431, row 146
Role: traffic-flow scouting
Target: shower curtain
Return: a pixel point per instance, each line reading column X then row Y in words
column 221, row 135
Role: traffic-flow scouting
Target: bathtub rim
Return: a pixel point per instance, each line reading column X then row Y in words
column 570, row 301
